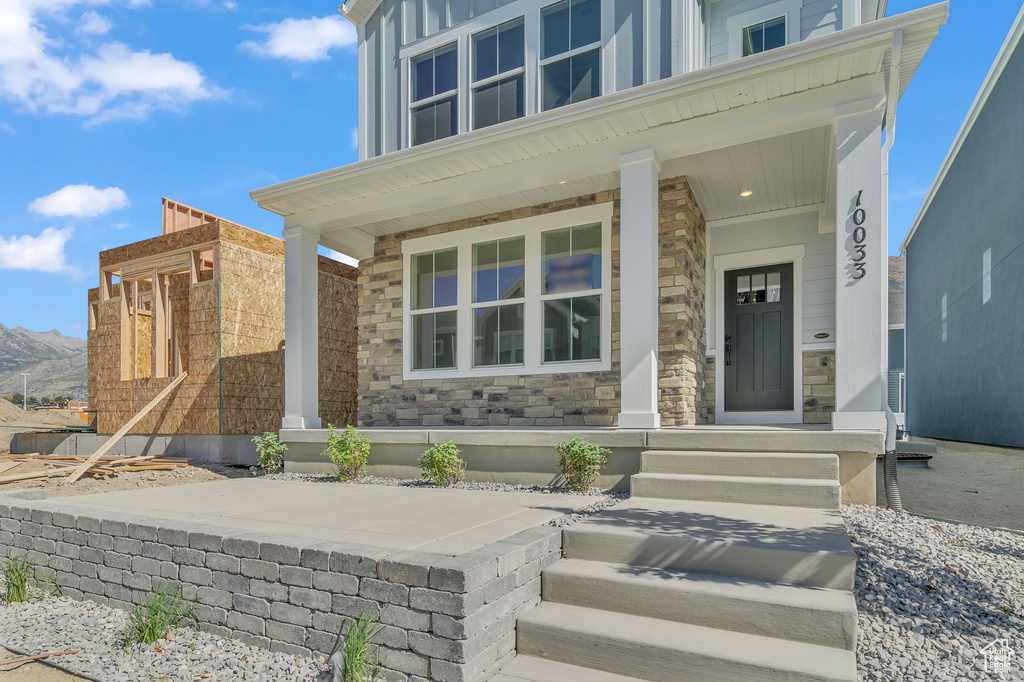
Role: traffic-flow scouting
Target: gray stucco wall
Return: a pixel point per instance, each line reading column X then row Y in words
column 964, row 373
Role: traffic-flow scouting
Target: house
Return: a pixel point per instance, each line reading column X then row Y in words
column 897, row 325
column 965, row 273
column 206, row 297
column 615, row 216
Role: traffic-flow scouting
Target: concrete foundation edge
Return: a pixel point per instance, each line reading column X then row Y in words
column 233, row 449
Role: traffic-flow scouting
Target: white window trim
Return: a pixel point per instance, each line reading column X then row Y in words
column 533, row 347
column 752, row 259
column 736, row 23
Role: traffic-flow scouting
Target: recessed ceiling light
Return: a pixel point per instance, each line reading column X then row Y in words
column 563, row 182
column 747, row 193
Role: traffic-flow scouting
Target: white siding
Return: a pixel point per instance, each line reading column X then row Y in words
column 817, row 18
column 819, row 268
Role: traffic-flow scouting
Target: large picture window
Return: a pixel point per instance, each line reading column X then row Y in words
column 532, row 294
column 570, row 52
column 435, row 85
column 499, row 90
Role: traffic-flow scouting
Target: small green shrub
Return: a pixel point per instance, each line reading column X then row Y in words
column 361, row 661
column 164, row 609
column 349, row 452
column 443, row 464
column 581, row 462
column 269, row 452
column 19, row 572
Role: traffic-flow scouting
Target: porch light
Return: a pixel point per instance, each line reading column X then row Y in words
column 747, row 193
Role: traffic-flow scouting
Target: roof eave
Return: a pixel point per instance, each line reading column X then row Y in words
column 1013, row 39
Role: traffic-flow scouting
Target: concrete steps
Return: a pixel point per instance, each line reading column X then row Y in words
column 663, row 651
column 786, row 545
column 532, row 669
column 788, row 492
column 800, row 614
column 761, row 464
column 721, row 566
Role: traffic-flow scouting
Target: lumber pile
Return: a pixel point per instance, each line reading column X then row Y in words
column 57, row 466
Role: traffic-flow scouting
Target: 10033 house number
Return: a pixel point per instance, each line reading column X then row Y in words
column 859, row 255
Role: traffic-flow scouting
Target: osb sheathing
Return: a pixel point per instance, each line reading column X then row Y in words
column 231, row 338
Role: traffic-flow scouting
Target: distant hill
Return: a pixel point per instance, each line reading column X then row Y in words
column 56, row 362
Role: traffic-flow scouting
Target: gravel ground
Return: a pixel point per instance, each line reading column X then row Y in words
column 931, row 595
column 606, row 498
column 60, row 624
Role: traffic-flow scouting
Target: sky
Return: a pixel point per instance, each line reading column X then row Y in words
column 108, row 105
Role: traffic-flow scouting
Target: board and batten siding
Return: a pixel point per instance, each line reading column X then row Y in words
column 817, row 18
column 819, row 269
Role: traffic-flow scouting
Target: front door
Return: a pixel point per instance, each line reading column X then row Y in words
column 759, row 339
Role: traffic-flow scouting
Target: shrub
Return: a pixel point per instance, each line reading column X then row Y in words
column 581, row 462
column 442, row 464
column 269, row 452
column 164, row 609
column 349, row 452
column 360, row 661
column 19, row 574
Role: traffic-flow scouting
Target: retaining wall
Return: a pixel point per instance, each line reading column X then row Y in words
column 449, row 619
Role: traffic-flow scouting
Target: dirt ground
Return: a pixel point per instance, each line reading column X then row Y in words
column 130, row 480
column 11, row 415
column 30, row 672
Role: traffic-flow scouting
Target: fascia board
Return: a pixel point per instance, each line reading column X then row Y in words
column 790, row 56
column 1013, row 39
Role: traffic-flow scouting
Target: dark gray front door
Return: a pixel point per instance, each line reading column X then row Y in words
column 759, row 339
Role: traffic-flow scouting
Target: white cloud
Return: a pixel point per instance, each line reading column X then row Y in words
column 908, row 194
column 303, row 40
column 45, row 252
column 92, row 24
column 80, row 201
column 122, row 226
column 7, row 128
column 55, row 75
column 355, row 138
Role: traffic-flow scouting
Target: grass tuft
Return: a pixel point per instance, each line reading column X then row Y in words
column 361, row 662
column 23, row 579
column 164, row 609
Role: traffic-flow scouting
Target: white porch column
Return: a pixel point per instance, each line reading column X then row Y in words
column 302, row 330
column 861, row 267
column 638, row 289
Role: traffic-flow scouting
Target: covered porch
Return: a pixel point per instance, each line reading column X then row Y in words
column 696, row 182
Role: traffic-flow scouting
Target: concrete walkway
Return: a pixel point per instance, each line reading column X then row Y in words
column 426, row 519
column 966, row 483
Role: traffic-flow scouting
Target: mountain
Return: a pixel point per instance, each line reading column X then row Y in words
column 57, row 362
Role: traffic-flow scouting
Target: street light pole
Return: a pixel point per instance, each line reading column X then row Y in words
column 24, row 395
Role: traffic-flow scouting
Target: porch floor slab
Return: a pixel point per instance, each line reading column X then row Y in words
column 440, row 521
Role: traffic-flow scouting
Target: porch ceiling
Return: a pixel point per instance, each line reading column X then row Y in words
column 723, row 118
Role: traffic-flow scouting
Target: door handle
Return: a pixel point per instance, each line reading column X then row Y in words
column 728, row 350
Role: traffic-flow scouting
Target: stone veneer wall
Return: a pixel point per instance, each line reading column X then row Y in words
column 819, row 386
column 571, row 399
column 448, row 619
column 385, row 399
column 681, row 322
column 707, row 404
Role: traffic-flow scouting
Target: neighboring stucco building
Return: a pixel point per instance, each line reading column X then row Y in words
column 207, row 298
column 965, row 273
column 897, row 333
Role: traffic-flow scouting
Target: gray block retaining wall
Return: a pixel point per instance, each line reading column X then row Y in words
column 449, row 619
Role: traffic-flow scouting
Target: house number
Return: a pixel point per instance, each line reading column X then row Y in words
column 860, row 235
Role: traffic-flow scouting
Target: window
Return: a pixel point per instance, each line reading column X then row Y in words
column 498, row 74
column 435, row 112
column 499, row 272
column 434, row 281
column 570, row 52
column 752, row 288
column 532, row 294
column 764, row 36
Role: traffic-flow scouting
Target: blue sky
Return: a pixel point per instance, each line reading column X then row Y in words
column 108, row 105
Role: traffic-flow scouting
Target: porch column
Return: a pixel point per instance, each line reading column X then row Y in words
column 638, row 289
column 302, row 330
column 861, row 271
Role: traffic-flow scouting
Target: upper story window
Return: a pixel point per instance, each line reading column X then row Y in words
column 499, row 59
column 435, row 87
column 764, row 36
column 570, row 52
